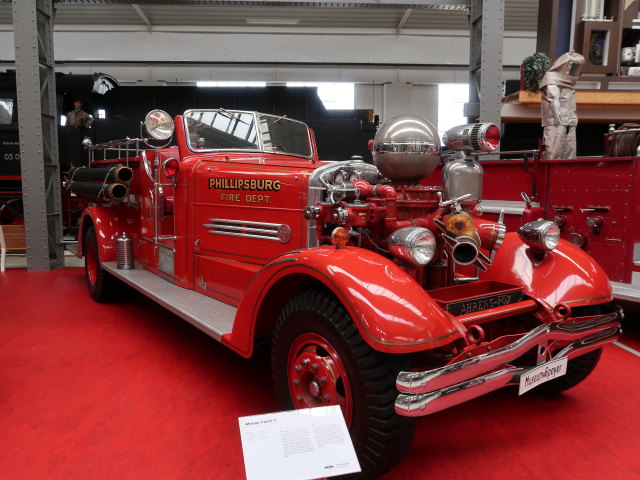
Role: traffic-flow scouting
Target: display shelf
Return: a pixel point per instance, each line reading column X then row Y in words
column 623, row 99
column 598, row 42
column 593, row 107
column 596, row 29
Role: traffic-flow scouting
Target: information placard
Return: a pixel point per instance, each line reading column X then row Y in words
column 297, row 445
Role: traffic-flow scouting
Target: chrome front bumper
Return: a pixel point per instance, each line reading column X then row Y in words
column 430, row 391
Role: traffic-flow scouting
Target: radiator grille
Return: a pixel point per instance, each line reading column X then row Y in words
column 244, row 228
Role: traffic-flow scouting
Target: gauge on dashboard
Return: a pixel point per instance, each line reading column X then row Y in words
column 341, row 176
column 355, row 175
column 346, row 175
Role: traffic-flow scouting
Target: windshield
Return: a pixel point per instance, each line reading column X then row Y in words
column 233, row 130
column 282, row 135
column 220, row 129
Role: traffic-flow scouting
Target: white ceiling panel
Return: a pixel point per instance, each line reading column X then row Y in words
column 520, row 15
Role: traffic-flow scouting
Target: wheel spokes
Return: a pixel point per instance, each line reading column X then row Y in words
column 91, row 263
column 317, row 375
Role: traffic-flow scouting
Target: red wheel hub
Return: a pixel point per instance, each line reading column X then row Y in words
column 317, row 376
column 91, row 262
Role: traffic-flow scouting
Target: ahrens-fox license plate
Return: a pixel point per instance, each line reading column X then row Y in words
column 478, row 304
column 544, row 373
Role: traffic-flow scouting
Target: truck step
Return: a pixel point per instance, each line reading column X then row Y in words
column 626, row 291
column 211, row 316
column 72, row 247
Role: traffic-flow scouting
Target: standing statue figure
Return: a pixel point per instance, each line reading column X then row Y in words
column 77, row 117
column 559, row 117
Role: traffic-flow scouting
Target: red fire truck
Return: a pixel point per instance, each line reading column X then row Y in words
column 594, row 200
column 384, row 296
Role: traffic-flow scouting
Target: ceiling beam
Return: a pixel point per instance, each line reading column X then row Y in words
column 144, row 18
column 445, row 4
column 404, row 18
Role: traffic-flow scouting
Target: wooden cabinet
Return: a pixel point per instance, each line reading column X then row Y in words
column 598, row 42
column 601, row 29
column 597, row 29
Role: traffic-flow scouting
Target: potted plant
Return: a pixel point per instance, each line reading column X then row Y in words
column 532, row 70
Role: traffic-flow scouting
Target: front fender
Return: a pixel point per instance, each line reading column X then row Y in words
column 109, row 225
column 391, row 311
column 567, row 275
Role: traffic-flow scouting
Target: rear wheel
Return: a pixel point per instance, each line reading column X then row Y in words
column 319, row 358
column 102, row 286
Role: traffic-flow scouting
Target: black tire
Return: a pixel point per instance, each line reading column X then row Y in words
column 315, row 326
column 578, row 368
column 11, row 211
column 103, row 287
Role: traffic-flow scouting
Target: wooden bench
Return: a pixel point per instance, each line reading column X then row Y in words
column 11, row 240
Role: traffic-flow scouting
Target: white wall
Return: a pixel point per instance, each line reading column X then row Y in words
column 186, row 54
column 396, row 73
column 369, row 96
column 404, row 99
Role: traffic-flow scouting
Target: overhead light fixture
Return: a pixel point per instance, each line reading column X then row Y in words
column 272, row 21
column 334, row 95
column 208, row 83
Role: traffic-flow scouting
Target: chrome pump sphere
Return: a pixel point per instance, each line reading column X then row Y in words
column 406, row 149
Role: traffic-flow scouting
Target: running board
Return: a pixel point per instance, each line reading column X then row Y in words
column 72, row 247
column 625, row 291
column 211, row 316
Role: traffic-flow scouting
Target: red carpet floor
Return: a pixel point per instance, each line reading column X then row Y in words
column 130, row 392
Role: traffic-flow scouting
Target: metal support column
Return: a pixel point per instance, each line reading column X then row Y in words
column 37, row 123
column 486, row 23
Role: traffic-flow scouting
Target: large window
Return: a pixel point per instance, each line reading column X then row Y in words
column 451, row 100
column 227, row 84
column 6, row 111
column 334, row 95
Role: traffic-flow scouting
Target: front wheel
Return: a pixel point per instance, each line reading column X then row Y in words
column 578, row 368
column 103, row 287
column 319, row 358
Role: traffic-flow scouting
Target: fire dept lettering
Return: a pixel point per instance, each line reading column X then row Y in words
column 255, row 184
column 248, row 198
column 263, row 185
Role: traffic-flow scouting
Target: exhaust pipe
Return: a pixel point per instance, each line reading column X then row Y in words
column 462, row 241
column 463, row 250
column 119, row 173
column 113, row 191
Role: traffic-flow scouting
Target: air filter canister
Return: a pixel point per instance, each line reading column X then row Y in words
column 124, row 252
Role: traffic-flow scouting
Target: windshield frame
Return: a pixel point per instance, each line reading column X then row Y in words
column 256, row 120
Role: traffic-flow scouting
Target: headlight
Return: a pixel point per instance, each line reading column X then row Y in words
column 415, row 245
column 474, row 137
column 159, row 124
column 540, row 235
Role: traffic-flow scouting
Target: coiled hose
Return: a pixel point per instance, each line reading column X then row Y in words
column 625, row 144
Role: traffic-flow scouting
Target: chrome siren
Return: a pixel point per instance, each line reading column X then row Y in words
column 406, row 149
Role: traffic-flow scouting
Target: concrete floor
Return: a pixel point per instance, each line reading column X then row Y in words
column 17, row 260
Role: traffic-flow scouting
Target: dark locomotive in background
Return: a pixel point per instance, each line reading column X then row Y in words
column 339, row 134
